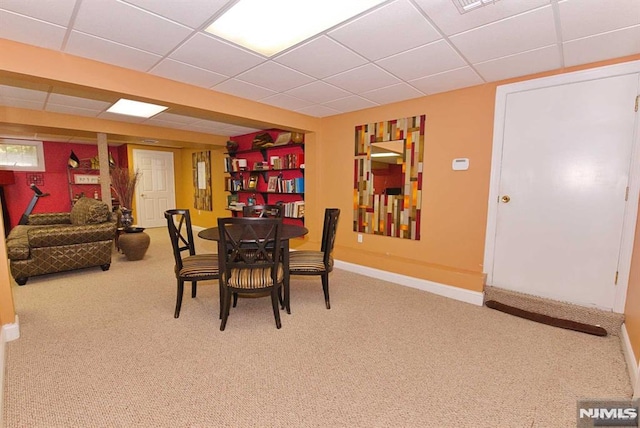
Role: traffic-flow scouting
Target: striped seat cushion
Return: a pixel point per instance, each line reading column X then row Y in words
column 308, row 261
column 254, row 278
column 199, row 265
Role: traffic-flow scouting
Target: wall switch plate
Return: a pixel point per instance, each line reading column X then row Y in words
column 359, row 238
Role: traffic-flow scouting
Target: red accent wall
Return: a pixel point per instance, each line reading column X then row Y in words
column 19, row 194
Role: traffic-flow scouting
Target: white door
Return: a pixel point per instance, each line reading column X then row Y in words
column 566, row 155
column 156, row 192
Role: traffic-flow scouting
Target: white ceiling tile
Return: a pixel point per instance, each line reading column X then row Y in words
column 603, row 46
column 318, row 92
column 194, row 15
column 448, row 81
column 214, row 55
column 173, row 118
column 429, row 59
column 320, row 58
column 529, row 62
column 112, row 53
column 239, row 130
column 363, row 79
column 54, row 11
column 519, row 33
column 13, row 92
column 286, row 102
column 243, row 89
column 186, row 73
column 445, row 15
column 318, row 111
column 30, row 31
column 83, row 103
column 205, row 129
column 584, row 18
column 388, row 30
column 351, row 103
column 21, row 103
column 131, row 26
column 209, row 124
column 392, row 94
column 275, row 76
column 68, row 109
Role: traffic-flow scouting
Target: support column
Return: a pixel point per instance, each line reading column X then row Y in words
column 105, row 178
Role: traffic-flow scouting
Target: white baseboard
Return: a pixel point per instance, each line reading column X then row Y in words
column 11, row 331
column 632, row 362
column 468, row 296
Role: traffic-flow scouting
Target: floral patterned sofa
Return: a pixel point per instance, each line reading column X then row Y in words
column 56, row 242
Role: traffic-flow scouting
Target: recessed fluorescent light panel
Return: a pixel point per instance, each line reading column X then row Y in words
column 135, row 108
column 269, row 27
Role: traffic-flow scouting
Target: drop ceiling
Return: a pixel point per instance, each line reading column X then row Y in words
column 399, row 50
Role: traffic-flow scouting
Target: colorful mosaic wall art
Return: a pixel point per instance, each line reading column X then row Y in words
column 379, row 212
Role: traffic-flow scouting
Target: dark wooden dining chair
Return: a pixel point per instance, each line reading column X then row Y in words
column 189, row 265
column 270, row 211
column 250, row 260
column 306, row 262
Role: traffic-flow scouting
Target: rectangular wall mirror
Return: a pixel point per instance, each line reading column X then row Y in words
column 388, row 177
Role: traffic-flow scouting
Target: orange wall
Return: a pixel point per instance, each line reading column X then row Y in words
column 454, row 204
column 184, row 188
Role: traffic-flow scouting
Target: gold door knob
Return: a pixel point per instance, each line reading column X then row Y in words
column 505, row 199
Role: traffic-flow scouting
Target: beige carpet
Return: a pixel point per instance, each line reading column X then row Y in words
column 102, row 349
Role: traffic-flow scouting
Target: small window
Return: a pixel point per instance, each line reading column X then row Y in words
column 21, row 155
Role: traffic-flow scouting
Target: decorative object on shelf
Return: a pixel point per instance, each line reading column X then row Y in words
column 95, row 162
column 283, row 138
column 124, row 184
column 73, row 161
column 262, row 141
column 112, row 161
column 253, row 182
column 232, row 147
column 297, row 137
column 86, row 179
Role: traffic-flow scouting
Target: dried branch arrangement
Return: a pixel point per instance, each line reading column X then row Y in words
column 124, row 185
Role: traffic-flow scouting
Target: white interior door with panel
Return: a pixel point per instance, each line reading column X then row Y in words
column 156, row 192
column 562, row 197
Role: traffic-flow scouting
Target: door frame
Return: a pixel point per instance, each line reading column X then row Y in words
column 631, row 209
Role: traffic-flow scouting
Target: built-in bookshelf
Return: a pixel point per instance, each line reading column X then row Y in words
column 268, row 175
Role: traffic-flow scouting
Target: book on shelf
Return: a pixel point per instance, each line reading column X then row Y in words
column 293, row 209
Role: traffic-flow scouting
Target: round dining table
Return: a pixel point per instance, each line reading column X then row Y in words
column 289, row 231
